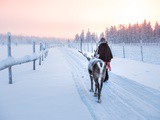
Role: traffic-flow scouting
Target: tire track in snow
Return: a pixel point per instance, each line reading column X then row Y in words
column 143, row 91
column 117, row 100
column 112, row 115
column 82, row 90
column 97, row 111
column 116, row 94
column 135, row 103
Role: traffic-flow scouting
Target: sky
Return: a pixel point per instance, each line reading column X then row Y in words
column 65, row 18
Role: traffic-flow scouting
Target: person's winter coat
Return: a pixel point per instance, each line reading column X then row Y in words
column 104, row 52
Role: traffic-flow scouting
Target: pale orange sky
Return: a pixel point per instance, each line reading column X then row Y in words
column 65, row 18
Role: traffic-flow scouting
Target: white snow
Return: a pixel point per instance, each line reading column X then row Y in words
column 49, row 93
column 141, row 72
column 28, row 58
column 59, row 90
column 151, row 52
column 122, row 98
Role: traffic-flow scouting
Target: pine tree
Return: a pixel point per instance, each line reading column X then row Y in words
column 144, row 31
column 82, row 36
column 77, row 38
column 157, row 32
column 88, row 36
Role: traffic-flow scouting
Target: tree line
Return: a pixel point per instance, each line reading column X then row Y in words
column 131, row 33
column 20, row 39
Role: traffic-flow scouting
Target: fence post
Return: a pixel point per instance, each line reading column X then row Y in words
column 87, row 46
column 92, row 45
column 45, row 49
column 81, row 45
column 9, row 55
column 40, row 55
column 42, row 45
column 47, row 46
column 141, row 50
column 123, row 51
column 110, row 45
column 34, row 61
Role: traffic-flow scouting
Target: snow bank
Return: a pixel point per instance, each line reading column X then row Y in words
column 144, row 73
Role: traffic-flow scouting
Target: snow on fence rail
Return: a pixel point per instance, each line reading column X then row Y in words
column 11, row 61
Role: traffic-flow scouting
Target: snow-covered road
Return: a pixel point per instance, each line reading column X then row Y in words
column 122, row 99
column 49, row 93
column 59, row 90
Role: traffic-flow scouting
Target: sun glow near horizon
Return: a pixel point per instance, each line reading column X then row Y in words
column 61, row 18
column 132, row 12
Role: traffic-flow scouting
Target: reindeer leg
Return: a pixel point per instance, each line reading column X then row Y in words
column 91, row 90
column 96, row 87
column 99, row 91
column 101, row 86
column 99, row 94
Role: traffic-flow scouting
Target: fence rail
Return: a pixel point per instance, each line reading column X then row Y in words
column 11, row 61
column 146, row 52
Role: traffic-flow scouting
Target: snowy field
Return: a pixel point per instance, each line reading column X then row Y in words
column 151, row 52
column 59, row 89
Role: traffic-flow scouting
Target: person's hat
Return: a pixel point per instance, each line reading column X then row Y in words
column 102, row 40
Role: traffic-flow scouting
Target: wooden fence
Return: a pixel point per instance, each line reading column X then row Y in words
column 91, row 47
column 11, row 61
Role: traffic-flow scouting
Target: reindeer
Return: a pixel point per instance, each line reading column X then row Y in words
column 97, row 72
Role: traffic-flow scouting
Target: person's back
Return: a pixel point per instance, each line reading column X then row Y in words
column 105, row 54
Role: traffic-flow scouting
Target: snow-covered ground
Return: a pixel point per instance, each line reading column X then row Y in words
column 59, row 90
column 150, row 52
column 143, row 73
column 49, row 93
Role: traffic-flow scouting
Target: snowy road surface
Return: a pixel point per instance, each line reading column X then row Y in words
column 59, row 90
